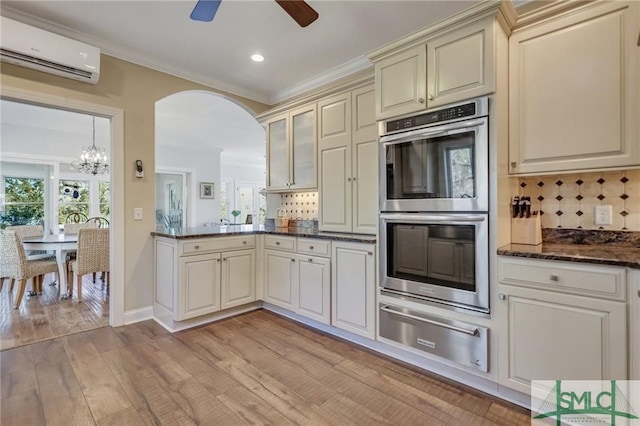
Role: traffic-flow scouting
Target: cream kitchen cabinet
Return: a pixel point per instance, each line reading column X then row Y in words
column 281, row 279
column 451, row 67
column 348, row 156
column 291, row 150
column 461, row 64
column 401, row 83
column 298, row 279
column 353, row 288
column 195, row 277
column 556, row 322
column 574, row 95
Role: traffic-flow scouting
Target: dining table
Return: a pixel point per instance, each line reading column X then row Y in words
column 60, row 244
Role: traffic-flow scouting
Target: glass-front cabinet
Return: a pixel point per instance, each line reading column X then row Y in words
column 291, row 150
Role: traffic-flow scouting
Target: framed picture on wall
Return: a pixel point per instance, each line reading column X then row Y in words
column 206, row 189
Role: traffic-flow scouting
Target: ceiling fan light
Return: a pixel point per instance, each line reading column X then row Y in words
column 257, row 57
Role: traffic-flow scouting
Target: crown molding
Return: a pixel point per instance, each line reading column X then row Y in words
column 353, row 66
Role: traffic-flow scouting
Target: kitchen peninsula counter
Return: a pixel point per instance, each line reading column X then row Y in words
column 231, row 230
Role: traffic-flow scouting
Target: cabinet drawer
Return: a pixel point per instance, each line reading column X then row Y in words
column 217, row 244
column 280, row 243
column 576, row 278
column 314, row 247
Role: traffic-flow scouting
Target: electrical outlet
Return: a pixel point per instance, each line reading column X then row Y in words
column 137, row 213
column 603, row 215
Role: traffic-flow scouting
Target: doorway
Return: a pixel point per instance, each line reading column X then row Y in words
column 114, row 313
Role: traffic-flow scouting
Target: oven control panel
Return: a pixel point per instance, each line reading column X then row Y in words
column 447, row 114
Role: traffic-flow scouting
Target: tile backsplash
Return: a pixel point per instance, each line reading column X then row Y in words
column 300, row 205
column 568, row 201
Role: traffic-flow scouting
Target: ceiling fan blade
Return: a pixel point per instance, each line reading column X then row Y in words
column 205, row 10
column 299, row 10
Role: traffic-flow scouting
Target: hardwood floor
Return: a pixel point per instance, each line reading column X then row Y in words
column 257, row 368
column 45, row 316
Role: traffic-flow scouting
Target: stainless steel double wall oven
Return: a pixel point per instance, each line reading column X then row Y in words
column 434, row 206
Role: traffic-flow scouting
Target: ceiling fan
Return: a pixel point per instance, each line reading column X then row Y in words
column 299, row 10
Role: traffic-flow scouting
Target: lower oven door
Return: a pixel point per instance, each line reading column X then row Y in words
column 439, row 258
column 456, row 341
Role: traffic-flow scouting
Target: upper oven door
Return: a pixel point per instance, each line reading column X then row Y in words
column 440, row 168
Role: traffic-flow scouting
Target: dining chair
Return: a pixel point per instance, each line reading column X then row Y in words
column 72, row 229
column 93, row 256
column 76, row 217
column 24, row 231
column 14, row 263
column 101, row 221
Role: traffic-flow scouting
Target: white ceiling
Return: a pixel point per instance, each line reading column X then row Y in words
column 159, row 34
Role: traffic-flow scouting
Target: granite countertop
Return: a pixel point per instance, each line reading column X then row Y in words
column 603, row 254
column 231, row 230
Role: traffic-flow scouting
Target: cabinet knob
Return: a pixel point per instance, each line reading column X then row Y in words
column 430, row 97
column 293, row 260
column 370, row 253
column 354, row 179
column 310, row 260
column 502, row 296
column 277, row 243
column 348, row 179
column 513, row 164
column 218, row 260
column 421, row 100
column 244, row 242
column 310, row 247
column 224, row 259
column 553, row 277
column 196, row 247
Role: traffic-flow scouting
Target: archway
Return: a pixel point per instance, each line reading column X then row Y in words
column 207, row 142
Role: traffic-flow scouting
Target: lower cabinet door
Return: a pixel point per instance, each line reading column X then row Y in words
column 353, row 288
column 281, row 286
column 314, row 288
column 199, row 290
column 238, row 278
column 551, row 336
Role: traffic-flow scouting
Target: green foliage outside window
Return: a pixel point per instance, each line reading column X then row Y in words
column 24, row 201
column 104, row 199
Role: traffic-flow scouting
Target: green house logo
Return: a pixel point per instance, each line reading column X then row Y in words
column 586, row 406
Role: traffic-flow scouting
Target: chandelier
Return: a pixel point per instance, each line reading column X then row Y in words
column 93, row 159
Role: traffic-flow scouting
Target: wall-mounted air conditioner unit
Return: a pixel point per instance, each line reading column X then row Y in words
column 31, row 47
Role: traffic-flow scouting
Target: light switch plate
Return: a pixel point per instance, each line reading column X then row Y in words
column 137, row 213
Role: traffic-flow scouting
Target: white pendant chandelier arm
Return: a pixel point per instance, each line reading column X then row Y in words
column 93, row 159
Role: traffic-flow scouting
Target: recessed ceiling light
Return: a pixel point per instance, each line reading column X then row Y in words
column 257, row 58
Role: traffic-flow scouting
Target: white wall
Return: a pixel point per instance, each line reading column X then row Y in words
column 243, row 173
column 204, row 166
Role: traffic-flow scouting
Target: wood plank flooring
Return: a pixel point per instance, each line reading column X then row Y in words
column 257, row 368
column 45, row 316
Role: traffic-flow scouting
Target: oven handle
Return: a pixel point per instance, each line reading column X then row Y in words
column 436, row 131
column 470, row 332
column 426, row 218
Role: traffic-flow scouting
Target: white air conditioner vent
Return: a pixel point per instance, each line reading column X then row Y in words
column 34, row 48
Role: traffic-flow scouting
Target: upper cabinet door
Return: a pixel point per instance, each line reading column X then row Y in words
column 573, row 91
column 303, row 148
column 461, row 64
column 401, row 83
column 277, row 153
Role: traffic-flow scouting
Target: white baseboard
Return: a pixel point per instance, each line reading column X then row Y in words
column 137, row 315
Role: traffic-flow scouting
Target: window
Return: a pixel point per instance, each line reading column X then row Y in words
column 224, row 200
column 73, row 198
column 104, row 198
column 23, row 201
